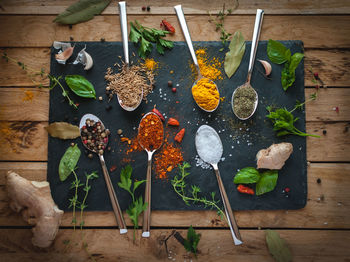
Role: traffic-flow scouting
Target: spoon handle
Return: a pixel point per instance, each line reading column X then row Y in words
column 124, row 28
column 146, row 226
column 116, row 208
column 186, row 32
column 255, row 41
column 229, row 214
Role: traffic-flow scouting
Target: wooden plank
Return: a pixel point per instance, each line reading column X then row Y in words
column 333, row 146
column 332, row 65
column 30, row 170
column 215, row 245
column 17, row 102
column 189, row 7
column 23, row 141
column 325, row 207
column 40, row 31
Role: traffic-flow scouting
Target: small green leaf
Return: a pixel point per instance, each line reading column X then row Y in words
column 247, row 175
column 276, row 52
column 80, row 86
column 192, row 240
column 68, row 162
column 234, row 57
column 267, row 182
column 166, row 43
column 138, row 183
column 125, row 178
column 134, row 35
column 278, row 246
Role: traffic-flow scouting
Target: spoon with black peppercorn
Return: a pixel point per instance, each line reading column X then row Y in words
column 94, row 136
column 245, row 99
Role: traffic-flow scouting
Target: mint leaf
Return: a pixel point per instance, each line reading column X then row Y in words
column 267, row 182
column 192, row 240
column 276, row 52
column 247, row 175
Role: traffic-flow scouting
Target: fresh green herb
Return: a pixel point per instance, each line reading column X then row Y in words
column 277, row 246
column 283, row 122
column 80, row 86
column 68, row 162
column 219, row 19
column 180, row 186
column 234, row 57
column 247, row 175
column 267, row 182
column 145, row 36
column 279, row 54
column 192, row 240
column 137, row 206
column 54, row 81
column 300, row 105
column 81, row 11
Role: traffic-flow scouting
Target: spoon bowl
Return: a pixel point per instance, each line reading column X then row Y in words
column 212, row 110
column 113, row 197
column 255, row 103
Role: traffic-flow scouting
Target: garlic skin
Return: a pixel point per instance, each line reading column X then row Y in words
column 61, row 45
column 267, row 67
column 62, row 57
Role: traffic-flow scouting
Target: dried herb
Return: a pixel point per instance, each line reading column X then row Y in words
column 192, row 240
column 234, row 57
column 278, row 246
column 244, row 101
column 63, row 130
column 81, row 11
column 80, row 86
column 180, row 187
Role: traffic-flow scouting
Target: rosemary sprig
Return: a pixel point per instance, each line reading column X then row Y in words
column 180, row 187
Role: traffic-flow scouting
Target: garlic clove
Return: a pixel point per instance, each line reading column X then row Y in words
column 84, row 58
column 62, row 57
column 89, row 62
column 267, row 67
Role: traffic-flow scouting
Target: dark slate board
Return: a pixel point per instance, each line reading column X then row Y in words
column 241, row 140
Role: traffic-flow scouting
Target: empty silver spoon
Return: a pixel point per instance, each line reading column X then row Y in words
column 124, row 29
column 147, row 213
column 186, row 32
column 210, row 149
column 255, row 41
column 113, row 197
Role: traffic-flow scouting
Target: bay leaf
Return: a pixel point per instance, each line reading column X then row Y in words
column 278, row 246
column 63, row 130
column 81, row 11
column 234, row 57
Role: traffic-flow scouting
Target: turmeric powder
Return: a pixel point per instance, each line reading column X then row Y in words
column 206, row 94
column 150, row 64
column 209, row 69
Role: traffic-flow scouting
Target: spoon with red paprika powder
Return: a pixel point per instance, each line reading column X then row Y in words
column 150, row 137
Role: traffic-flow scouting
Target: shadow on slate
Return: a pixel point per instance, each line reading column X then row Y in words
column 241, row 140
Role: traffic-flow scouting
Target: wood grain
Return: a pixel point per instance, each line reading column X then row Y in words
column 40, row 31
column 190, row 7
column 326, row 206
column 333, row 66
column 215, row 245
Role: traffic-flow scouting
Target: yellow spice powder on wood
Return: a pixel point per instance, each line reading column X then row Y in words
column 209, row 68
column 206, row 94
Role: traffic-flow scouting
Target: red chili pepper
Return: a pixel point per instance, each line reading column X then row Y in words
column 114, row 167
column 156, row 111
column 245, row 190
column 173, row 122
column 168, row 26
column 179, row 136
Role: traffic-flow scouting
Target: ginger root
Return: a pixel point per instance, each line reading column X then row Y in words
column 275, row 156
column 38, row 208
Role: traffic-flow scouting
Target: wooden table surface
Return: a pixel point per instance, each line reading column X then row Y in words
column 318, row 232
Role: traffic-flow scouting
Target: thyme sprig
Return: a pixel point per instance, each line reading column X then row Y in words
column 32, row 73
column 180, row 187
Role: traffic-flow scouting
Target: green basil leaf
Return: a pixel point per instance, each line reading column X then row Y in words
column 294, row 61
column 267, row 182
column 276, row 52
column 247, row 175
column 80, row 86
column 81, row 11
column 68, row 162
column 287, row 77
column 234, row 57
column 278, row 246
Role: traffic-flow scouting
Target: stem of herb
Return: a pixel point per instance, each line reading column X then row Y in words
column 75, row 199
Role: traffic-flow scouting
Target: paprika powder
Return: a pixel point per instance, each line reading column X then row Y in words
column 150, row 135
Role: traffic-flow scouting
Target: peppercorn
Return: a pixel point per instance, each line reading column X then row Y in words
column 102, row 40
column 318, row 181
column 173, row 89
column 170, row 84
column 107, row 92
column 109, row 148
column 119, row 131
column 324, row 131
column 70, row 26
column 71, row 38
column 72, row 144
column 108, row 88
column 316, row 75
column 108, row 107
column 90, row 156
column 100, row 98
column 143, row 8
column 148, row 8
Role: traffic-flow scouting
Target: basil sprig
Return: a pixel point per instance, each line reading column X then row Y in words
column 279, row 54
column 80, row 86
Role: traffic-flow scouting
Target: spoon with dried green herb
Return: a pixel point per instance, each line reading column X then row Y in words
column 245, row 99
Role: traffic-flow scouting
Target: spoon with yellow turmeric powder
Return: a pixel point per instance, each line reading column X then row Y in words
column 204, row 91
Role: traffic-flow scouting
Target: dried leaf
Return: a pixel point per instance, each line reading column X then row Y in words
column 278, row 246
column 234, row 57
column 82, row 11
column 63, row 130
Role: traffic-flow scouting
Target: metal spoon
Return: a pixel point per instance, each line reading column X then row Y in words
column 113, row 197
column 124, row 29
column 147, row 213
column 182, row 20
column 210, row 149
column 255, row 41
